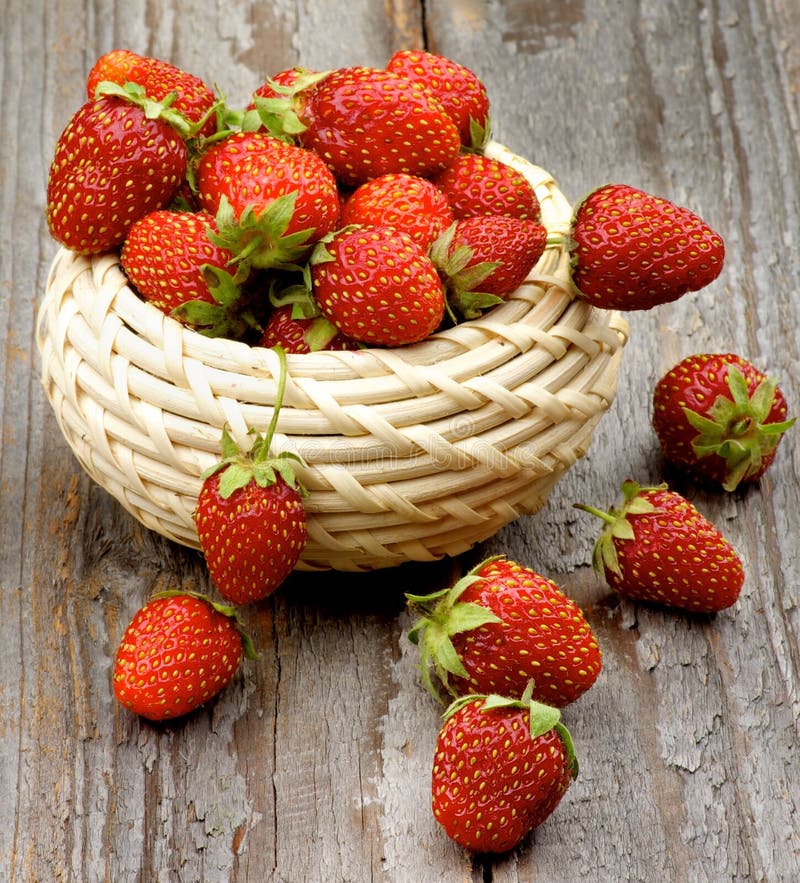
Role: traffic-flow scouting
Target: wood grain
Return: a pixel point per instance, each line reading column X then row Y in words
column 315, row 764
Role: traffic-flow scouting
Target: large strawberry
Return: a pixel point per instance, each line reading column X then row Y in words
column 174, row 265
column 485, row 258
column 250, row 517
column 501, row 626
column 406, row 202
column 178, row 652
column 458, row 89
column 377, row 286
column 272, row 200
column 501, row 767
column 634, row 251
column 719, row 418
column 114, row 163
column 481, row 185
column 193, row 98
column 657, row 547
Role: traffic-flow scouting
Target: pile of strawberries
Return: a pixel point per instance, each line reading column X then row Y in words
column 353, row 208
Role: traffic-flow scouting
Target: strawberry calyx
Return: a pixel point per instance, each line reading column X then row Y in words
column 227, row 316
column 248, row 647
column 617, row 524
column 442, row 615
column 278, row 114
column 543, row 718
column 736, row 428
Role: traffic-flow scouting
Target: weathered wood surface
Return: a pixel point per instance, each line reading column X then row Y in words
column 315, row 765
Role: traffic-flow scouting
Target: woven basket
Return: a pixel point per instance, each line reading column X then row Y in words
column 410, row 454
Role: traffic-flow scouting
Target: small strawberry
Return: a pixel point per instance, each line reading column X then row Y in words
column 485, row 258
column 500, row 627
column 194, row 99
column 719, row 419
column 458, row 89
column 475, row 184
column 501, row 766
column 250, row 517
column 377, row 286
column 657, row 547
column 634, row 251
column 114, row 163
column 366, row 122
column 272, row 200
column 174, row 265
column 178, row 652
column 405, row 202
column 302, row 334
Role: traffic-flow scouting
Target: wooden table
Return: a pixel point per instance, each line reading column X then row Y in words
column 315, row 764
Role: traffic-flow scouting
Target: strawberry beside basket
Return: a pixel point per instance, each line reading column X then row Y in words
column 409, row 454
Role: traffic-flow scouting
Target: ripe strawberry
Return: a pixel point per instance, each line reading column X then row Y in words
column 377, row 286
column 501, row 767
column 475, row 184
column 194, row 99
column 179, row 651
column 657, row 547
column 500, row 627
column 634, row 251
column 366, row 122
column 458, row 89
column 405, row 202
column 172, row 262
column 300, row 334
column 485, row 258
column 112, row 165
column 250, row 518
column 719, row 419
column 272, row 200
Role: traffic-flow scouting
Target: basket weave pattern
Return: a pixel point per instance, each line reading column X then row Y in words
column 409, row 454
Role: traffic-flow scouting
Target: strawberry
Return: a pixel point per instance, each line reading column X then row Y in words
column 485, row 258
column 475, row 184
column 377, row 286
column 250, row 517
column 634, row 251
column 178, row 652
column 171, row 260
column 406, row 202
column 194, row 99
column 366, row 122
column 657, row 547
column 500, row 627
column 501, row 766
column 458, row 89
column 112, row 165
column 301, row 334
column 719, row 419
column 272, row 200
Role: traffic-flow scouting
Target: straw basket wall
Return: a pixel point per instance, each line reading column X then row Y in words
column 410, row 454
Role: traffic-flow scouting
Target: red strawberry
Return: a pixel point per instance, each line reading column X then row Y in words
column 179, row 651
column 377, row 286
column 272, row 200
column 458, row 89
column 634, row 251
column 170, row 258
column 501, row 767
column 485, row 258
column 194, row 99
column 479, row 185
column 300, row 334
column 657, row 547
column 250, row 517
column 501, row 626
column 366, row 122
column 112, row 165
column 719, row 419
column 406, row 202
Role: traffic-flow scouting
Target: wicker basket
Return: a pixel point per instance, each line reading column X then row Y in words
column 410, row 454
